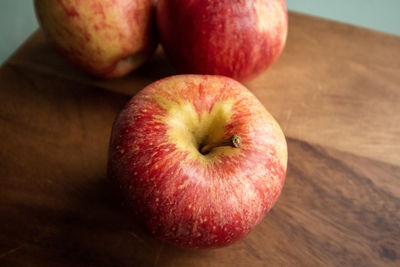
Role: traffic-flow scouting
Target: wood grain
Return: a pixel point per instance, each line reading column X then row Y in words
column 335, row 92
column 339, row 86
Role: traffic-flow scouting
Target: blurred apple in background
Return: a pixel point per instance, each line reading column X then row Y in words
column 105, row 38
column 198, row 159
column 239, row 39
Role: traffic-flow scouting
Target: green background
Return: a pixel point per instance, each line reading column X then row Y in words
column 17, row 19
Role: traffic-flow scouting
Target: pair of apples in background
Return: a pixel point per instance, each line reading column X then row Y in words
column 111, row 38
column 196, row 157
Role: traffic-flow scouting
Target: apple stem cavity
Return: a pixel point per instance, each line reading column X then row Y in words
column 233, row 141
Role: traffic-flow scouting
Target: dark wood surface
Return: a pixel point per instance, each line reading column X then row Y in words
column 336, row 93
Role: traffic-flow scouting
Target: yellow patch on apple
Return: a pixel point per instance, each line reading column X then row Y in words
column 187, row 130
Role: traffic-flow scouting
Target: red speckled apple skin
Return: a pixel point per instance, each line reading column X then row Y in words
column 185, row 198
column 239, row 39
column 104, row 38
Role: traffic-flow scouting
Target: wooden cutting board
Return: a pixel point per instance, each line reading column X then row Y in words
column 336, row 93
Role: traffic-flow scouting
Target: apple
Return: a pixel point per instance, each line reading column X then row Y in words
column 105, row 38
column 197, row 159
column 239, row 39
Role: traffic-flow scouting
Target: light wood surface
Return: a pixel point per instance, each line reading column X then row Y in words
column 336, row 93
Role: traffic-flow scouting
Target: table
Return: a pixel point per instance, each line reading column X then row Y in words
column 336, row 93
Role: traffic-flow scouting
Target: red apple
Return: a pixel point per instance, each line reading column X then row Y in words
column 190, row 189
column 239, row 39
column 105, row 38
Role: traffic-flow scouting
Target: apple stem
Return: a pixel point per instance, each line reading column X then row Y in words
column 233, row 141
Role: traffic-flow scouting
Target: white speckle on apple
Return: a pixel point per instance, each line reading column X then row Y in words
column 183, row 185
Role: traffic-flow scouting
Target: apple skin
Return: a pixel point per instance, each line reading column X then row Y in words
column 104, row 38
column 239, row 39
column 183, row 197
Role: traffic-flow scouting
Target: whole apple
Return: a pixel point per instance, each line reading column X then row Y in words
column 239, row 39
column 198, row 159
column 105, row 38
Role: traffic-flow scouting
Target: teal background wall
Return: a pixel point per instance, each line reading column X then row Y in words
column 381, row 15
column 17, row 19
column 17, row 22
